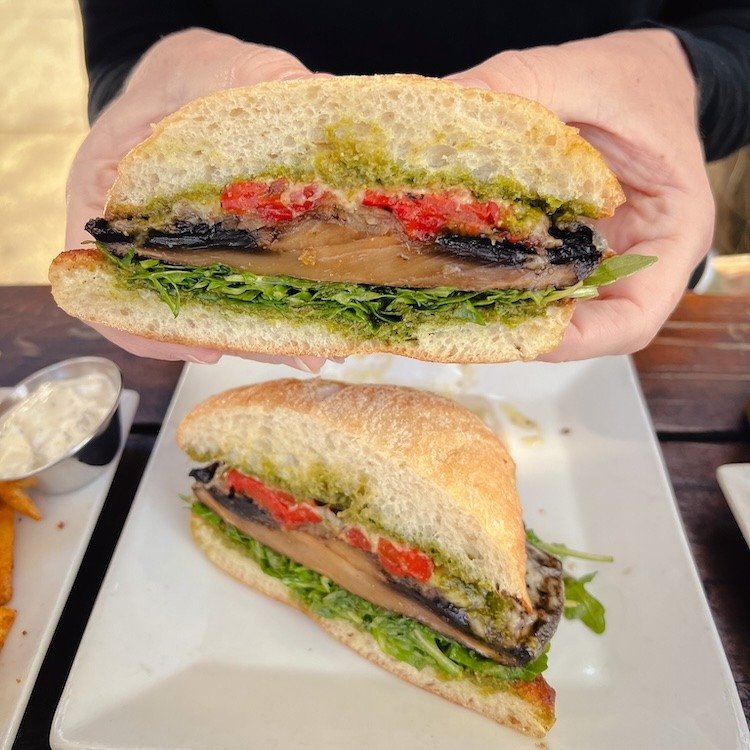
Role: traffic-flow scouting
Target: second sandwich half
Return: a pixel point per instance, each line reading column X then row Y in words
column 391, row 517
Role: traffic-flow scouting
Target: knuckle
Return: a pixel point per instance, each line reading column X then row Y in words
column 648, row 328
column 644, row 338
column 265, row 63
column 642, row 323
column 654, row 317
column 175, row 42
column 514, row 68
column 169, row 56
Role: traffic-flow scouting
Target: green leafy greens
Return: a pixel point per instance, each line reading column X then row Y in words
column 398, row 636
column 618, row 267
column 579, row 603
column 562, row 551
column 582, row 605
column 387, row 313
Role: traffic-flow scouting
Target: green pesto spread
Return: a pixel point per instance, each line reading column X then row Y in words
column 316, row 481
column 158, row 211
column 355, row 155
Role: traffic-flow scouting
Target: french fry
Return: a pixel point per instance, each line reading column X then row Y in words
column 28, row 482
column 7, row 615
column 6, row 553
column 12, row 494
column 12, row 498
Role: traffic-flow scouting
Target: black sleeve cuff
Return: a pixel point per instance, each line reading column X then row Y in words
column 105, row 84
column 720, row 58
column 724, row 86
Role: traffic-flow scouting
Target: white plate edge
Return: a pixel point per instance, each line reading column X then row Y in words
column 743, row 733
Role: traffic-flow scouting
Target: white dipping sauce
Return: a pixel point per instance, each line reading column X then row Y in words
column 51, row 420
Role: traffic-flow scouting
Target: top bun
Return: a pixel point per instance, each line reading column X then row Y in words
column 354, row 131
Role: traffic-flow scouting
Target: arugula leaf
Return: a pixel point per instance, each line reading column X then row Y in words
column 484, row 666
column 390, row 313
column 618, row 267
column 562, row 551
column 581, row 605
column 401, row 637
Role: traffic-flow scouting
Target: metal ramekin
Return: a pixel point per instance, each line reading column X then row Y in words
column 89, row 458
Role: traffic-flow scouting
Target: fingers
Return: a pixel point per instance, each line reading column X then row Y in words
column 180, row 67
column 632, row 95
column 566, row 79
column 309, row 364
column 629, row 313
column 305, row 364
column 143, row 347
column 541, row 73
column 608, row 82
column 603, row 327
column 255, row 64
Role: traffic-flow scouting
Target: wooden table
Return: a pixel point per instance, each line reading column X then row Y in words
column 695, row 376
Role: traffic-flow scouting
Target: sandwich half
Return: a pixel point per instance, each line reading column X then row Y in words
column 351, row 215
column 389, row 516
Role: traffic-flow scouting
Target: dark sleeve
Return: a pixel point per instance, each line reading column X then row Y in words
column 117, row 33
column 716, row 38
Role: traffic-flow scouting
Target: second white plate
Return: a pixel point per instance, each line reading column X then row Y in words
column 47, row 555
column 734, row 480
column 179, row 655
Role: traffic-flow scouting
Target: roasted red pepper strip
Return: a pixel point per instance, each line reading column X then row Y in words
column 281, row 505
column 272, row 201
column 424, row 216
column 357, row 539
column 404, row 563
column 401, row 562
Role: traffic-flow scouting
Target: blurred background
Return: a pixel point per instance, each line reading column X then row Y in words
column 43, row 121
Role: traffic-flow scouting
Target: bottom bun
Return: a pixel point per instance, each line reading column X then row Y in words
column 526, row 706
column 85, row 285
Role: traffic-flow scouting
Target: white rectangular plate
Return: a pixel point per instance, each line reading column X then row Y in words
column 734, row 480
column 179, row 655
column 47, row 556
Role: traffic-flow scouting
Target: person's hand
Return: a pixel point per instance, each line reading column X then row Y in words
column 177, row 69
column 633, row 96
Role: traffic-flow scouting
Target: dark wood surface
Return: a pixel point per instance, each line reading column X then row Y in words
column 34, row 332
column 695, row 377
column 696, row 373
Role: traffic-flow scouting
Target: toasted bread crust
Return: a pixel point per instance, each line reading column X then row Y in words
column 85, row 285
column 526, row 707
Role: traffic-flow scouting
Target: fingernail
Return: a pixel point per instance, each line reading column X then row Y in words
column 304, row 75
column 300, row 364
column 297, row 75
column 199, row 361
column 470, row 83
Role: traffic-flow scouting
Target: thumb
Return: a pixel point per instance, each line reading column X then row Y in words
column 255, row 63
column 556, row 77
